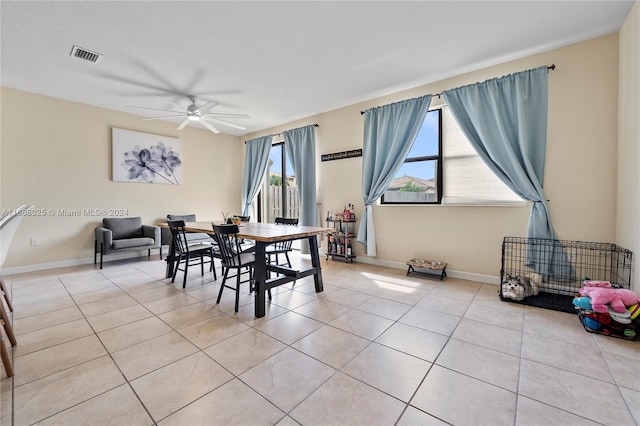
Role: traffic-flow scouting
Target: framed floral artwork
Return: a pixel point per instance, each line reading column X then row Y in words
column 146, row 158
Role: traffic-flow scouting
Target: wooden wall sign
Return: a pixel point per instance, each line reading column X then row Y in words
column 341, row 155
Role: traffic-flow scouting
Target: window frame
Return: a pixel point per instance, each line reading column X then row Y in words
column 439, row 169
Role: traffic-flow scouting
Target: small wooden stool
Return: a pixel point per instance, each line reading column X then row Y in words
column 423, row 266
column 5, row 294
column 8, row 331
column 4, row 353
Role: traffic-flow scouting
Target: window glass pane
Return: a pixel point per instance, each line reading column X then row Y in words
column 415, row 182
column 280, row 196
column 426, row 143
column 273, row 196
column 275, row 165
column 291, row 178
column 291, row 193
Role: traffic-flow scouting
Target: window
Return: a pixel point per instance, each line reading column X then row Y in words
column 443, row 168
column 279, row 193
column 419, row 180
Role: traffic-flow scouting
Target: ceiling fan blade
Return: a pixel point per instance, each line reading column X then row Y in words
column 222, row 114
column 184, row 124
column 208, row 105
column 155, row 109
column 172, row 103
column 226, row 123
column 163, row 117
column 209, row 126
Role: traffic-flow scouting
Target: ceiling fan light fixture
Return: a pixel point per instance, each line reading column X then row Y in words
column 194, row 113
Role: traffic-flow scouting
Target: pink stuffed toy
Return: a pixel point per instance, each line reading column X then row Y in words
column 617, row 298
column 597, row 283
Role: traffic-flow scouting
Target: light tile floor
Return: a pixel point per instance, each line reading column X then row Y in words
column 123, row 346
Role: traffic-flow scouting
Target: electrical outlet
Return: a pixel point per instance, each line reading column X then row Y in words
column 35, row 242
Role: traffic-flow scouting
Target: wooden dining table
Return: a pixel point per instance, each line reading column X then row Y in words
column 264, row 234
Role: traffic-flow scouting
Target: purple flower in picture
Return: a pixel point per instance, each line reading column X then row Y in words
column 168, row 160
column 146, row 164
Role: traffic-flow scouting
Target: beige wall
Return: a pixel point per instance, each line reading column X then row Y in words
column 580, row 176
column 628, row 219
column 57, row 155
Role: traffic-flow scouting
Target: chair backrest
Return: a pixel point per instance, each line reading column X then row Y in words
column 228, row 243
column 178, row 236
column 9, row 215
column 8, row 228
column 285, row 245
column 124, row 227
column 286, row 220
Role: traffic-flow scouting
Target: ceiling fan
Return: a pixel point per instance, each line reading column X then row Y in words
column 194, row 113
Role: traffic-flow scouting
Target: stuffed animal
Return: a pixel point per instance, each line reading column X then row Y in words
column 617, row 298
column 517, row 288
column 597, row 283
column 582, row 303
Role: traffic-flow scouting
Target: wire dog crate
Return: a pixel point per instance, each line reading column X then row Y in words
column 559, row 268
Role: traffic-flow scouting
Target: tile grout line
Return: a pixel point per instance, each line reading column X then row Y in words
column 356, row 308
column 81, row 402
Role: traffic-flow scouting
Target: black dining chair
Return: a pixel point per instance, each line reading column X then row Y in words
column 233, row 257
column 281, row 247
column 189, row 253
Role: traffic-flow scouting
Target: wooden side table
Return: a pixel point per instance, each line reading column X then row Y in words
column 430, row 267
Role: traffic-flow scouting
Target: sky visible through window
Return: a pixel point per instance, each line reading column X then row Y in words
column 426, row 143
column 275, row 155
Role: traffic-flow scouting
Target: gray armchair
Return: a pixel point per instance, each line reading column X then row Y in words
column 125, row 233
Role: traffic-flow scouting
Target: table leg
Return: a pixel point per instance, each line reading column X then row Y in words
column 315, row 262
column 260, row 275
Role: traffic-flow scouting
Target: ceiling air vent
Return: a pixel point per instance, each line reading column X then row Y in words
column 87, row 55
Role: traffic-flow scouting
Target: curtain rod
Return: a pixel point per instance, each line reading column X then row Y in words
column 280, row 134
column 549, row 67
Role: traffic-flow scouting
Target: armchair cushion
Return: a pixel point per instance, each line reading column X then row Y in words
column 124, row 227
column 129, row 243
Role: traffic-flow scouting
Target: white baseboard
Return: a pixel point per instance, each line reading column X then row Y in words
column 450, row 273
column 112, row 257
column 76, row 262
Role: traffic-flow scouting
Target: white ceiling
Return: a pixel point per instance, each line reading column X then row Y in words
column 275, row 61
